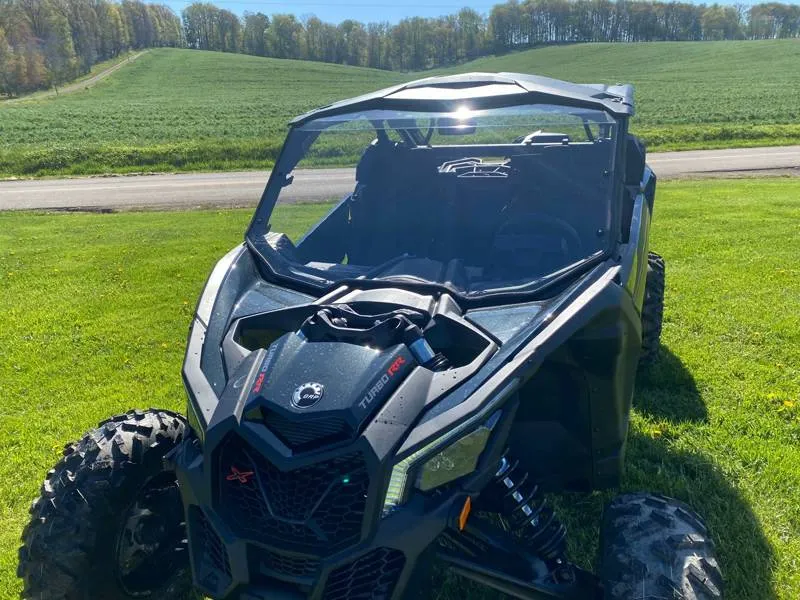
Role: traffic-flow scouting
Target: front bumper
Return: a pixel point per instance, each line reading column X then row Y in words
column 239, row 551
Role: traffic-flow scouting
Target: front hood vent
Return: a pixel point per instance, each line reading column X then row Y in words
column 304, row 434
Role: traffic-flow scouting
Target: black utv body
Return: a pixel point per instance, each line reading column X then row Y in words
column 456, row 337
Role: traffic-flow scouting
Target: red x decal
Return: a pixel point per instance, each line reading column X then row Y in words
column 240, row 476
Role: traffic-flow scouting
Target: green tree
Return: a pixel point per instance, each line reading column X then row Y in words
column 353, row 39
column 721, row 23
column 200, row 26
column 59, row 52
column 378, row 48
column 84, row 26
column 112, row 37
column 285, row 37
column 471, row 33
column 6, row 59
column 230, row 32
column 253, row 38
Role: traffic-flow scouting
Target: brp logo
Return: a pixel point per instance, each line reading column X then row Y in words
column 307, row 395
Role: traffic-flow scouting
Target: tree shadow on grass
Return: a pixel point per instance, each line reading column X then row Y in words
column 667, row 390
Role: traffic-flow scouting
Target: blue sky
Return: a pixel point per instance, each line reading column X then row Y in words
column 335, row 11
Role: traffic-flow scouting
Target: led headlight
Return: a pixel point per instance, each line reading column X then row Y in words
column 458, row 459
column 446, row 459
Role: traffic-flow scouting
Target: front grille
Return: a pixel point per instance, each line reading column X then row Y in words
column 316, row 508
column 371, row 577
column 301, row 435
column 292, row 566
column 211, row 563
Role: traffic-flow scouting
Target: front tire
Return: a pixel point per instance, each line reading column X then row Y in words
column 109, row 522
column 653, row 309
column 653, row 548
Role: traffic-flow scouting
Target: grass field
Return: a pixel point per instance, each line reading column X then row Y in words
column 175, row 109
column 189, row 110
column 95, row 308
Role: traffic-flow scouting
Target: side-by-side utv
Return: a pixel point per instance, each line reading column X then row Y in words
column 402, row 382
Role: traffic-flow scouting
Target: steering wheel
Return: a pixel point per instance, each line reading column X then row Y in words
column 533, row 223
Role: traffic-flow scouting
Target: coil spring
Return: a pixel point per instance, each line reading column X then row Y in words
column 439, row 362
column 527, row 512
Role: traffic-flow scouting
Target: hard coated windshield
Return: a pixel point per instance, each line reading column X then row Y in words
column 477, row 201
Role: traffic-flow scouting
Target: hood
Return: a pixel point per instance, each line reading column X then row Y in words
column 308, row 393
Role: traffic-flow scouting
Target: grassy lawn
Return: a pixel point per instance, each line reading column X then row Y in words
column 94, row 312
column 189, row 110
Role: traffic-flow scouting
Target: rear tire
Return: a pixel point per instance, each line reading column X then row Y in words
column 109, row 522
column 653, row 309
column 653, row 548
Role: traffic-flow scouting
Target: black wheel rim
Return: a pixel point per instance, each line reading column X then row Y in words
column 151, row 546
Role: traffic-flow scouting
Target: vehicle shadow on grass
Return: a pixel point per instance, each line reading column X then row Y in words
column 653, row 464
column 745, row 555
column 667, row 390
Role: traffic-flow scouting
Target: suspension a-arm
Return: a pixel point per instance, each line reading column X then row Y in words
column 529, row 563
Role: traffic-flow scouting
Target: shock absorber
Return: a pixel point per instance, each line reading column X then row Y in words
column 528, row 514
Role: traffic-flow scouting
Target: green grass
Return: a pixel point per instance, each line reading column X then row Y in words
column 93, row 321
column 190, row 110
column 175, row 109
column 686, row 92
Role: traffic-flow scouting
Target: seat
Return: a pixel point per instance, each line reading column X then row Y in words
column 393, row 209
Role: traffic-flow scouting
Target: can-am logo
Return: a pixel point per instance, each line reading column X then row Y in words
column 307, row 395
column 381, row 383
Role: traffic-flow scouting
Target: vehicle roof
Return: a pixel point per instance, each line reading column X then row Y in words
column 525, row 89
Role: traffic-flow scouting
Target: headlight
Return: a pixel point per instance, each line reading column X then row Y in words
column 446, row 459
column 458, row 459
column 194, row 421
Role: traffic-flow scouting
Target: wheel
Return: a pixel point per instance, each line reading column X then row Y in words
column 652, row 309
column 653, row 547
column 109, row 521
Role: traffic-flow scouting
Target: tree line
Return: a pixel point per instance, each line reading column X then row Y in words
column 47, row 42
column 421, row 43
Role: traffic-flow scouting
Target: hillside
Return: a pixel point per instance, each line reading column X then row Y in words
column 184, row 109
column 724, row 93
column 174, row 109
